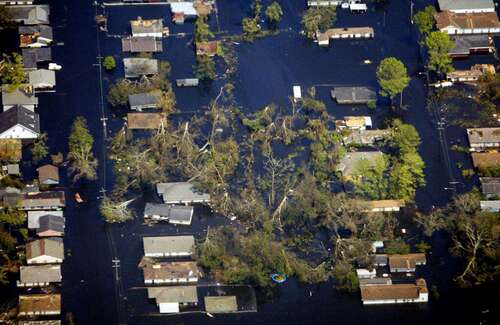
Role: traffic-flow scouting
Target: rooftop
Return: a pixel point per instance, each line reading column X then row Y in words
column 185, row 7
column 221, row 304
column 40, row 274
column 50, row 223
column 381, row 204
column 349, row 162
column 141, row 44
column 48, row 172
column 366, row 137
column 467, row 20
column 180, row 192
column 168, row 270
column 490, row 205
column 168, row 244
column 180, row 294
column 175, row 212
column 464, row 43
column 136, row 67
column 34, row 217
column 39, row 303
column 149, row 99
column 24, row 95
column 354, row 94
column 48, row 198
column 19, row 115
column 42, row 77
column 10, row 149
column 410, row 261
column 30, row 14
column 146, row 26
column 485, row 159
column 483, row 135
column 31, row 56
column 48, row 246
column 393, row 291
column 146, row 121
column 490, row 185
column 465, row 4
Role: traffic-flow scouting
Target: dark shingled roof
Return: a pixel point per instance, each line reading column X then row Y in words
column 464, row 43
column 19, row 115
column 32, row 56
column 52, row 223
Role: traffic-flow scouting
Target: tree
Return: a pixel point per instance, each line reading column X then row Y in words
column 205, row 67
column 12, row 71
column 317, row 19
column 82, row 161
column 202, row 31
column 397, row 247
column 392, row 77
column 5, row 18
column 438, row 45
column 371, row 179
column 109, row 63
column 167, row 101
column 119, row 92
column 345, row 277
column 403, row 138
column 425, row 20
column 115, row 212
column 251, row 28
column 274, row 13
column 40, row 149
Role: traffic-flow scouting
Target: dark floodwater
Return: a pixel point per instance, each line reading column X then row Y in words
column 266, row 72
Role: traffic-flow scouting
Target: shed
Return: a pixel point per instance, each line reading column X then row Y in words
column 171, row 299
column 137, row 67
column 146, row 121
column 187, row 82
column 354, row 95
column 39, row 304
column 181, row 193
column 168, row 246
column 45, row 251
column 172, row 213
column 11, row 169
column 48, row 175
column 221, row 304
column 380, row 260
column 141, row 101
column 39, row 275
column 297, row 92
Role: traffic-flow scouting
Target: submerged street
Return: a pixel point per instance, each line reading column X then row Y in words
column 102, row 283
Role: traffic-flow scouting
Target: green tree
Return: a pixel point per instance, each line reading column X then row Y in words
column 274, row 13
column 397, row 247
column 406, row 176
column 317, row 19
column 425, row 20
column 403, row 138
column 371, row 179
column 119, row 92
column 115, row 212
column 40, row 149
column 109, row 63
column 12, row 217
column 205, row 67
column 345, row 277
column 83, row 164
column 251, row 28
column 5, row 18
column 438, row 45
column 202, row 31
column 392, row 77
column 12, row 71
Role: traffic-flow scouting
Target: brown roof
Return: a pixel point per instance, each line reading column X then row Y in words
column 467, row 21
column 393, row 291
column 381, row 204
column 53, row 247
column 48, row 172
column 168, row 270
column 35, row 200
column 397, row 261
column 485, row 159
column 142, row 121
column 207, row 48
column 39, row 303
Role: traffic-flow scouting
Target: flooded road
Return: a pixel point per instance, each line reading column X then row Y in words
column 97, row 293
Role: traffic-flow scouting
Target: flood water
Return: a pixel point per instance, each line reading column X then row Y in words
column 267, row 70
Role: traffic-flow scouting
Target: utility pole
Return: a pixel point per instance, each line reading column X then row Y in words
column 116, row 266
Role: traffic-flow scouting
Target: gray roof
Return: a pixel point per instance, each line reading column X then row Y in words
column 180, row 192
column 30, row 15
column 168, row 244
column 42, row 77
column 145, row 100
column 34, row 217
column 380, row 259
column 366, row 137
column 20, row 96
column 172, row 212
column 490, row 185
column 136, row 67
column 181, row 294
column 354, row 94
column 43, row 199
column 465, row 4
column 483, row 135
column 19, row 115
column 40, row 273
column 141, row 44
column 52, row 223
column 53, row 247
column 464, row 43
column 32, row 56
column 349, row 162
column 490, row 205
column 44, row 31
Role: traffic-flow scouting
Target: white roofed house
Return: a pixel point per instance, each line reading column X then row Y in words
column 19, row 123
column 467, row 6
column 42, row 79
column 169, row 272
column 45, row 251
column 168, row 246
column 172, row 213
column 172, row 299
column 181, row 193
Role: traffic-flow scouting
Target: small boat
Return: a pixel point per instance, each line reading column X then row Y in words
column 367, row 61
column 78, row 198
column 278, row 277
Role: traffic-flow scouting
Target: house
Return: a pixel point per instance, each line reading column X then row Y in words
column 354, row 123
column 33, row 56
column 168, row 246
column 24, row 96
column 460, row 23
column 323, row 3
column 384, row 205
column 354, row 95
column 491, row 206
column 221, row 304
column 175, row 214
column 146, row 121
column 187, row 82
column 380, row 260
column 141, row 101
column 182, row 10
column 344, row 33
column 34, row 217
column 136, row 44
column 16, row 2
column 50, row 200
column 466, row 6
column 50, row 226
column 137, row 67
column 172, row 299
column 48, row 175
column 45, row 251
column 395, row 293
column 375, row 281
column 472, row 75
column 483, row 139
column 348, row 164
column 490, row 186
column 485, row 160
column 358, row 8
column 19, row 123
column 11, row 150
column 147, row 27
column 210, row 48
column 39, row 275
column 406, row 263
column 466, row 45
column 364, row 137
column 169, row 272
column 35, row 36
column 29, row 14
column 181, row 193
column 366, row 274
column 39, row 304
column 10, row 169
column 42, row 78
